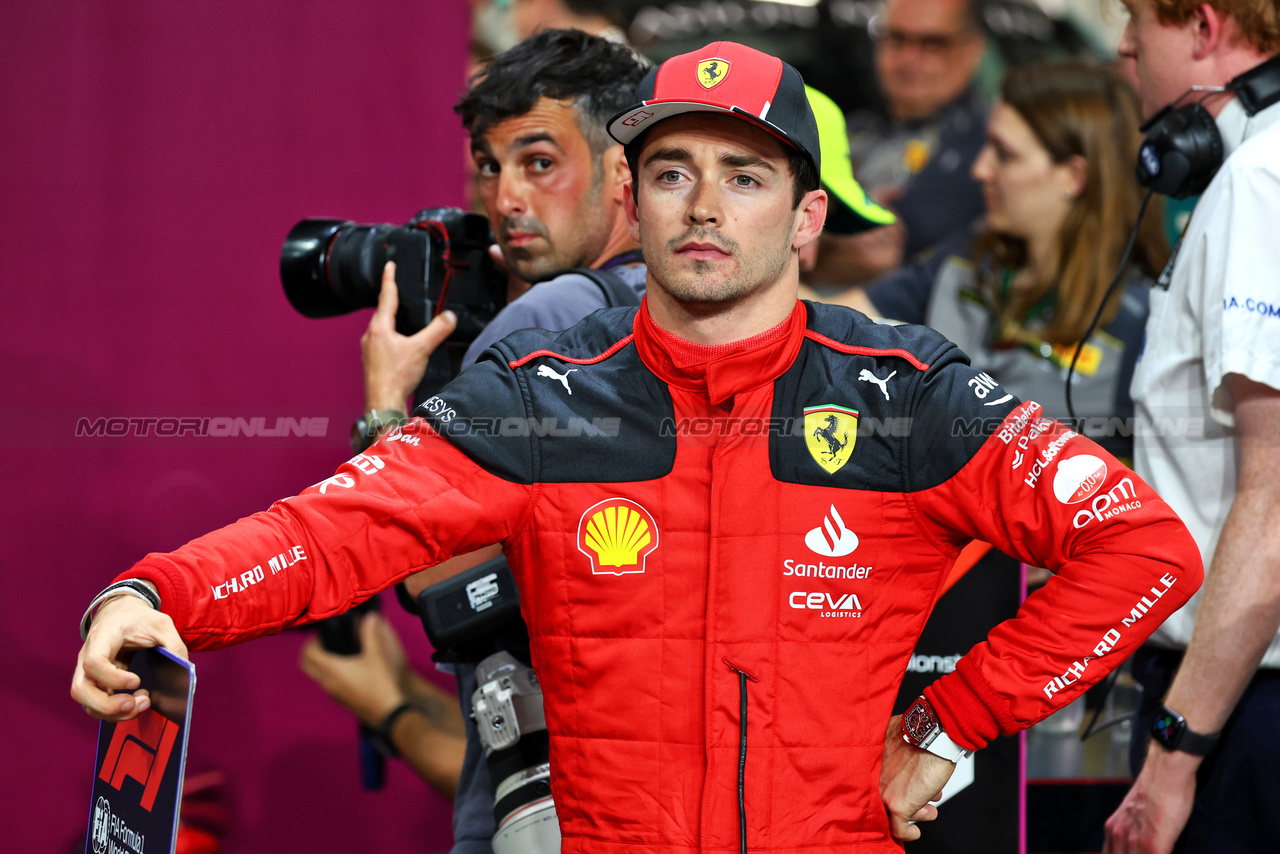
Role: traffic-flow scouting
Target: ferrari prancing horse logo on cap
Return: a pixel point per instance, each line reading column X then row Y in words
column 712, row 72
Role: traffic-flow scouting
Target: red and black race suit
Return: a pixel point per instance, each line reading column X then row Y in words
column 790, row 507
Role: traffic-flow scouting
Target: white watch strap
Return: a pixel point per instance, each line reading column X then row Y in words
column 940, row 744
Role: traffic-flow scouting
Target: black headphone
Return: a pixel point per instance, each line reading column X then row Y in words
column 1182, row 150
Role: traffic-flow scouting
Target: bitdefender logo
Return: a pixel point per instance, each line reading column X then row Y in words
column 831, row 538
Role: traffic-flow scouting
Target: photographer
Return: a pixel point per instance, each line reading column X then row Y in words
column 551, row 181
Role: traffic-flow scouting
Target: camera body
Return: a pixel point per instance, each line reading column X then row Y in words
column 332, row 266
column 474, row 618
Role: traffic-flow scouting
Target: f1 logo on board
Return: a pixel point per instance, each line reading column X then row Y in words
column 140, row 749
column 617, row 535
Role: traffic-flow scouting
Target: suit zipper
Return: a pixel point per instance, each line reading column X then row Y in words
column 743, row 676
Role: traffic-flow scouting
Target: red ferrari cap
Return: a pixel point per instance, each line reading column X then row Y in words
column 725, row 77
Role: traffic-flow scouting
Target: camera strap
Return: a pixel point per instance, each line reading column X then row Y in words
column 617, row 293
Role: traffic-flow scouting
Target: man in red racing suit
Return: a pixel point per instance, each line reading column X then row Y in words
column 698, row 528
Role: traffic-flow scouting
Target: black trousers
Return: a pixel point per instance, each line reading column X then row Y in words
column 1237, row 805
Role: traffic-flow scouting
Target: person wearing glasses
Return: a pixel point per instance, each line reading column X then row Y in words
column 916, row 155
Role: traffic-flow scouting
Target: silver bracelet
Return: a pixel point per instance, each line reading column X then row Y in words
column 131, row 587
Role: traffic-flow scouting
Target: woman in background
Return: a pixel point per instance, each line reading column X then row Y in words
column 1017, row 296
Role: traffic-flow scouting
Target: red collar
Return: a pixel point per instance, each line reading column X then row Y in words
column 719, row 371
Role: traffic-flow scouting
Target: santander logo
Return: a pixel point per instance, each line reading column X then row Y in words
column 1078, row 478
column 831, row 538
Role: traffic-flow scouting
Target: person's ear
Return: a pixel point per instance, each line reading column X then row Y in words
column 811, row 214
column 1208, row 31
column 1075, row 175
column 616, row 172
column 633, row 214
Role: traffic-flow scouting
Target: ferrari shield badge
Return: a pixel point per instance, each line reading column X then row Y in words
column 830, row 432
column 712, row 72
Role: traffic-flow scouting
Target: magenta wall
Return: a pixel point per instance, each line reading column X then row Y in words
column 152, row 157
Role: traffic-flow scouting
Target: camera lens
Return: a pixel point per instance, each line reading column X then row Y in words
column 333, row 266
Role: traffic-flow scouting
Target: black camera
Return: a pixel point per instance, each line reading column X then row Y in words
column 332, row 266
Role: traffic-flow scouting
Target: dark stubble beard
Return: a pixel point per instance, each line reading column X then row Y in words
column 690, row 288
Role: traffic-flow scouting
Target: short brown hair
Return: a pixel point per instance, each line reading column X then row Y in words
column 1259, row 20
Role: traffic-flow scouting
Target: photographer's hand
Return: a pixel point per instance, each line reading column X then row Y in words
column 369, row 684
column 393, row 363
column 121, row 624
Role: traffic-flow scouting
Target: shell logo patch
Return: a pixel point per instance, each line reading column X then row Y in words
column 712, row 72
column 830, row 432
column 617, row 535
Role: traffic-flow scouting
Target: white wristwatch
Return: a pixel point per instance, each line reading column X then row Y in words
column 921, row 728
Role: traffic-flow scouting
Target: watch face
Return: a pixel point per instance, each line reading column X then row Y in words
column 1167, row 727
column 918, row 722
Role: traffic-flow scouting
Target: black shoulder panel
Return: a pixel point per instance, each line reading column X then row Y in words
column 957, row 408
column 571, row 407
column 875, row 407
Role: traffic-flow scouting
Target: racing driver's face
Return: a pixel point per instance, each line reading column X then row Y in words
column 543, row 189
column 714, row 212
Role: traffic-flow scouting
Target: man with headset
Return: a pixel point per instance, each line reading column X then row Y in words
column 1207, row 394
column 723, row 579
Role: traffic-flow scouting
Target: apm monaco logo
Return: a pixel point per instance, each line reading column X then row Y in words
column 831, row 538
column 1078, row 478
column 617, row 535
column 712, row 72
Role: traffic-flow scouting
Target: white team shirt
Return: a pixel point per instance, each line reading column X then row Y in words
column 1219, row 316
